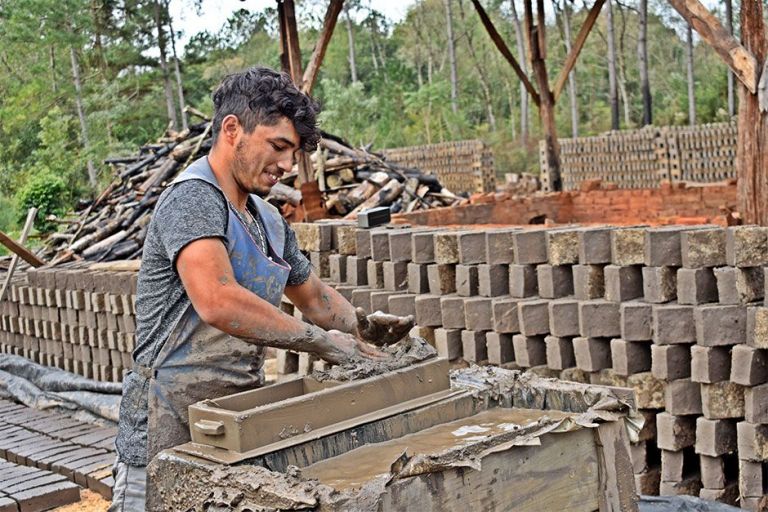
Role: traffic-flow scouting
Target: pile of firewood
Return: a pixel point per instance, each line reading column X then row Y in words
column 349, row 180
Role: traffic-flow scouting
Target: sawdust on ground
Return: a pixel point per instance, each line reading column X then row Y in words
column 89, row 502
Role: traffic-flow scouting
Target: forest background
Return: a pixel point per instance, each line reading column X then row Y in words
column 82, row 80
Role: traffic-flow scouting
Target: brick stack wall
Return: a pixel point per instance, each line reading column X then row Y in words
column 668, row 204
column 73, row 318
column 645, row 157
column 461, row 166
column 676, row 313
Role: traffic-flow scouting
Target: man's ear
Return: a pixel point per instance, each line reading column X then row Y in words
column 230, row 129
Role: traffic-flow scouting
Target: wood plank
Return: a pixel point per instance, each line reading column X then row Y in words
column 617, row 483
column 505, row 51
column 578, row 44
column 31, row 214
column 318, row 54
column 20, row 250
column 741, row 61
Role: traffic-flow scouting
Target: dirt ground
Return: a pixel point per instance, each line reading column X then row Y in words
column 89, row 502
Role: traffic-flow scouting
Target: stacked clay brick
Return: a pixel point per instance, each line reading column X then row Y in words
column 461, row 166
column 73, row 318
column 676, row 313
column 643, row 158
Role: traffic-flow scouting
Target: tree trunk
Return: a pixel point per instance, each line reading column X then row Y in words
column 536, row 36
column 452, row 56
column 691, row 89
column 92, row 178
column 52, row 57
column 752, row 147
column 161, row 45
column 613, row 92
column 642, row 57
column 484, row 82
column 177, row 71
column 522, row 60
column 729, row 26
column 566, row 17
column 622, row 76
column 351, row 41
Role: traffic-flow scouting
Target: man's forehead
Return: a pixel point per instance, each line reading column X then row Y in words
column 283, row 131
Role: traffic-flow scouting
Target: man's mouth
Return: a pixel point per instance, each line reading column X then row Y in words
column 273, row 177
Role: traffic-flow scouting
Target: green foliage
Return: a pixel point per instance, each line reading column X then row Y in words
column 47, row 192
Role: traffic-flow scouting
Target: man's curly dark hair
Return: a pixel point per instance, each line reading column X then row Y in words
column 261, row 96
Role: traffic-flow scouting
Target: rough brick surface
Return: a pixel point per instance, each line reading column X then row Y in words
column 447, row 247
column 533, row 317
column 400, row 245
column 418, row 279
column 530, row 246
column 564, row 317
column 428, row 312
column 594, row 246
column 703, row 248
column 493, row 280
column 423, row 247
column 671, row 362
column 710, row 364
column 722, row 400
column 628, row 357
column 466, row 280
column 752, row 441
column 363, row 243
column 554, row 282
column 357, row 271
column 498, row 246
column 471, row 247
column 448, row 343
column 746, row 246
column 720, row 325
column 478, row 313
column 380, row 300
column 756, row 404
column 592, row 354
column 441, row 279
column 636, row 321
column 662, row 247
column 715, row 437
column 522, row 281
column 623, row 283
column 683, row 397
column 673, row 323
column 739, row 285
column 563, row 246
column 757, row 327
column 395, row 275
column 380, row 244
column 529, row 350
column 749, row 366
column 559, row 352
column 696, row 286
column 474, row 346
column 588, row 282
column 452, row 308
column 628, row 246
column 599, row 318
column 751, row 478
column 499, row 347
column 505, row 317
column 659, row 284
column 675, row 432
column 375, row 274
column 402, row 305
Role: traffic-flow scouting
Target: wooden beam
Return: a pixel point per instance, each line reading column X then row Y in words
column 292, row 38
column 31, row 214
column 284, row 62
column 741, row 61
column 316, row 60
column 504, row 49
column 20, row 250
column 578, row 44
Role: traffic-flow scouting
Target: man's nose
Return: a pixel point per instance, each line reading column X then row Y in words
column 286, row 164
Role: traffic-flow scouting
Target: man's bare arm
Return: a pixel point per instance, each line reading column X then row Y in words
column 209, row 281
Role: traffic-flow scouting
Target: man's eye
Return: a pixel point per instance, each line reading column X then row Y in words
column 276, row 147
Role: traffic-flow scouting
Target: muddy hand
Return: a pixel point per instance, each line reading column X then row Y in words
column 382, row 329
column 345, row 347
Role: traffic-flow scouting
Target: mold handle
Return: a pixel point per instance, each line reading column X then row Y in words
column 209, row 427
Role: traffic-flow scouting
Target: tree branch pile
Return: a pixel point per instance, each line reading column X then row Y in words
column 115, row 224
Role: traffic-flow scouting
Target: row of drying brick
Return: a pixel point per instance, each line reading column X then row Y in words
column 82, row 452
column 33, row 490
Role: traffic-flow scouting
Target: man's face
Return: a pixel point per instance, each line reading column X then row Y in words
column 264, row 155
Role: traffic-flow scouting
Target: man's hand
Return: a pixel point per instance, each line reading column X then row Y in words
column 382, row 329
column 343, row 347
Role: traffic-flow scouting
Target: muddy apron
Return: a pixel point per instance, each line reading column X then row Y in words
column 198, row 361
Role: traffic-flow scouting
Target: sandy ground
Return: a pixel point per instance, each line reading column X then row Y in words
column 89, row 502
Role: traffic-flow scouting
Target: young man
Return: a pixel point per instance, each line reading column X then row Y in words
column 217, row 260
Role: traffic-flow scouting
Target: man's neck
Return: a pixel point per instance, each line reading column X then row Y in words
column 221, row 165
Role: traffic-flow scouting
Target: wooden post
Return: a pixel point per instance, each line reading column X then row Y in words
column 316, row 60
column 284, row 62
column 31, row 214
column 752, row 147
column 21, row 251
column 547, row 106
